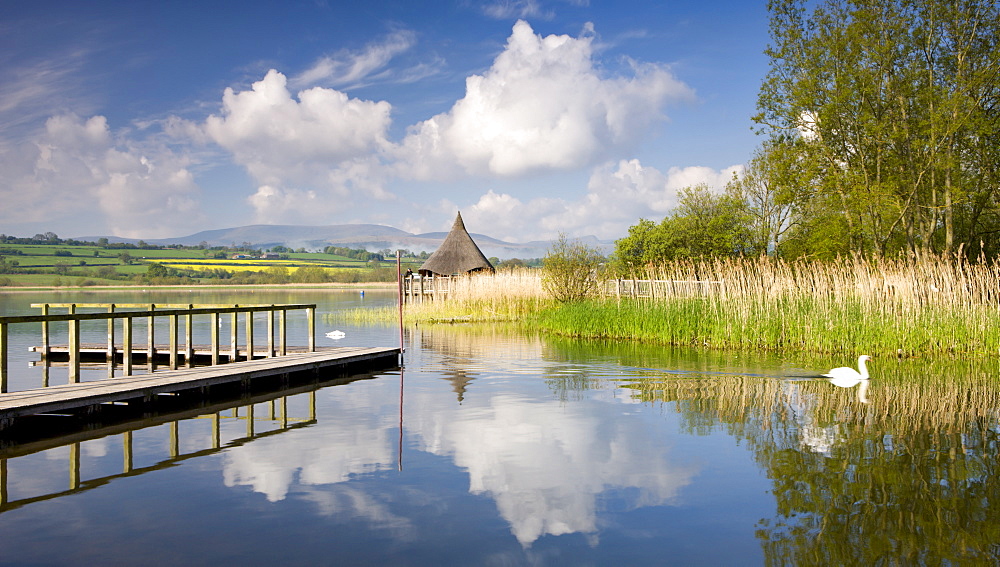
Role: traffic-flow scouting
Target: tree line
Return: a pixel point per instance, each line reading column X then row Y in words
column 881, row 122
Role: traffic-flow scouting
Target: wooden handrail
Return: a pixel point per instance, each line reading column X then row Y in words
column 150, row 311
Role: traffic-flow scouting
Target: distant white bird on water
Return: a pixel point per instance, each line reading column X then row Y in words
column 336, row 335
column 846, row 377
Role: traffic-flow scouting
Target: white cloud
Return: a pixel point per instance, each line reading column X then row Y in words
column 503, row 9
column 31, row 90
column 141, row 190
column 543, row 105
column 297, row 150
column 349, row 68
column 617, row 197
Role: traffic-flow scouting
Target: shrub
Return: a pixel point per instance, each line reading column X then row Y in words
column 569, row 271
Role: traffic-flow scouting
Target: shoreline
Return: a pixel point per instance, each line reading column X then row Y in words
column 99, row 288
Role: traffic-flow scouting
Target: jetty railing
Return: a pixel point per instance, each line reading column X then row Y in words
column 150, row 313
column 416, row 287
column 654, row 289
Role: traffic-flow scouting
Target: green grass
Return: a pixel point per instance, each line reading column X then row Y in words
column 799, row 323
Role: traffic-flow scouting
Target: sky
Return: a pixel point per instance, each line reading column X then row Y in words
column 534, row 118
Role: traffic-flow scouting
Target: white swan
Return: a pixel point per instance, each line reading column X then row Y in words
column 336, row 335
column 846, row 377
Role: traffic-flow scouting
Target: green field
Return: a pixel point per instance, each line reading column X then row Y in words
column 89, row 264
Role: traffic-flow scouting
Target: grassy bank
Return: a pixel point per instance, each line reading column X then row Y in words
column 909, row 306
column 784, row 324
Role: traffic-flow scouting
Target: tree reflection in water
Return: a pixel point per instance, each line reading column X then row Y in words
column 909, row 478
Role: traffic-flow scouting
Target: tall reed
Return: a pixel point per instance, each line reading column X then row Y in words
column 507, row 295
column 918, row 304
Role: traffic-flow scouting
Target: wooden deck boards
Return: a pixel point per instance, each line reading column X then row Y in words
column 81, row 395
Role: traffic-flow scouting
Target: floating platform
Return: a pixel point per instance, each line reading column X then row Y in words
column 144, row 389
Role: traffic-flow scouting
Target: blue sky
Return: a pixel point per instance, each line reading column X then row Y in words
column 532, row 117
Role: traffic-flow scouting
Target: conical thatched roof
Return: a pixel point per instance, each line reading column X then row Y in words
column 458, row 254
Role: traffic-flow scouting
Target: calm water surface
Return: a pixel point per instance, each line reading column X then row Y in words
column 493, row 448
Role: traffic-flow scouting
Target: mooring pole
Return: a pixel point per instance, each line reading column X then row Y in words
column 399, row 289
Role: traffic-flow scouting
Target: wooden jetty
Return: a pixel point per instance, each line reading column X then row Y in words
column 143, row 389
column 277, row 362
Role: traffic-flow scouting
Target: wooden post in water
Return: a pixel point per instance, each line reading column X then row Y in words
column 216, row 431
column 282, row 342
column 127, row 346
column 175, row 440
column 74, row 347
column 173, row 341
column 3, row 358
column 399, row 289
column 74, row 466
column 189, row 339
column 249, row 421
column 249, row 335
column 311, row 315
column 150, row 338
column 45, row 332
column 111, row 335
column 215, row 338
column 234, row 333
column 270, row 333
column 127, row 451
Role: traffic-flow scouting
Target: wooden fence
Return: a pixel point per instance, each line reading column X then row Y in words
column 150, row 312
column 656, row 288
column 416, row 288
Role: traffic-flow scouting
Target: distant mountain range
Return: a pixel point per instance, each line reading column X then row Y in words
column 368, row 236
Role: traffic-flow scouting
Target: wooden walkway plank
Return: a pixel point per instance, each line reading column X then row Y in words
column 79, row 395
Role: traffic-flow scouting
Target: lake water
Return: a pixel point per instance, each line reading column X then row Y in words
column 496, row 448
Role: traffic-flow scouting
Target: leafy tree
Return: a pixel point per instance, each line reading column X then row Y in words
column 277, row 275
column 157, row 271
column 309, row 274
column 704, row 224
column 895, row 109
column 569, row 270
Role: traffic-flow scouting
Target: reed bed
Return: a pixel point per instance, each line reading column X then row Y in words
column 922, row 304
column 916, row 305
column 508, row 295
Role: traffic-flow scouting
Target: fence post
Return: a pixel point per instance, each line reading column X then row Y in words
column 282, row 341
column 234, row 334
column 45, row 331
column 127, row 346
column 151, row 338
column 215, row 338
column 249, row 335
column 74, row 347
column 127, row 452
column 189, row 338
column 111, row 335
column 3, row 358
column 270, row 332
column 173, row 341
column 311, row 313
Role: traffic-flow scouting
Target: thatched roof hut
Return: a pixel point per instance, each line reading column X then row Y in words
column 458, row 254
